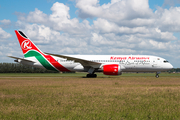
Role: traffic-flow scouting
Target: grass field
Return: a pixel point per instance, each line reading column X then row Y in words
column 71, row 96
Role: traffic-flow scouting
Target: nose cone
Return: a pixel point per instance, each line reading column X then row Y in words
column 169, row 66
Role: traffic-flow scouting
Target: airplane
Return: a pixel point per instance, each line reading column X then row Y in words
column 108, row 64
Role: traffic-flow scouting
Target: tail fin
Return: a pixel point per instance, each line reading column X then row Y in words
column 29, row 49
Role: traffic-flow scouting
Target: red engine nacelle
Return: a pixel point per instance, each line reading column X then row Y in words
column 113, row 69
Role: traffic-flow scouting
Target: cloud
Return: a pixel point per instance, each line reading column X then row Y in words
column 4, row 35
column 115, row 11
column 5, row 23
column 59, row 20
column 171, row 2
column 37, row 17
column 168, row 19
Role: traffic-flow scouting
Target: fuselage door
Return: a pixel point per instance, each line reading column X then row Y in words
column 155, row 62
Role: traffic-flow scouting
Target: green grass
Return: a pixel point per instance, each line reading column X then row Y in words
column 84, row 75
column 70, row 96
column 42, row 74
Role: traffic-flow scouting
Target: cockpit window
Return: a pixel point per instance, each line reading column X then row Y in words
column 165, row 61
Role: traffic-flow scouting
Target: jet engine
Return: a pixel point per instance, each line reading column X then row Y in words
column 112, row 69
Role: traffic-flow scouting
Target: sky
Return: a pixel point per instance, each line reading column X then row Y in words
column 93, row 27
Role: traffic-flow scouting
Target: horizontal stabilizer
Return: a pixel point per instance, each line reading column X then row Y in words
column 22, row 59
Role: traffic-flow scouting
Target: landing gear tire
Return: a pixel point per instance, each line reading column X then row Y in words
column 157, row 76
column 91, row 75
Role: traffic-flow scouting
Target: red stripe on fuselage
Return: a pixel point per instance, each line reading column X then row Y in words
column 57, row 65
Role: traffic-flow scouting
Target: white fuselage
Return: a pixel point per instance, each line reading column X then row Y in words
column 128, row 63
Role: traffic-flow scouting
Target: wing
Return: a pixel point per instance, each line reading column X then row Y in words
column 22, row 59
column 85, row 63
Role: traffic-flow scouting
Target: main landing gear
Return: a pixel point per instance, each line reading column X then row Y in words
column 91, row 75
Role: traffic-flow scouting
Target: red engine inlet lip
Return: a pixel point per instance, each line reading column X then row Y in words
column 112, row 69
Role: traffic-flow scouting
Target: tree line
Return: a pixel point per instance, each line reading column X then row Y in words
column 176, row 70
column 20, row 68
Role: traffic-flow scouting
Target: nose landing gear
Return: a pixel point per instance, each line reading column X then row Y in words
column 157, row 74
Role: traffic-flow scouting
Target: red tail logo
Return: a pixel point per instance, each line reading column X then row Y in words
column 26, row 45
